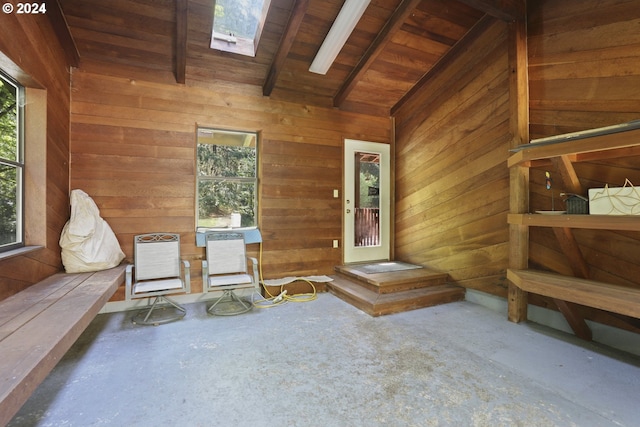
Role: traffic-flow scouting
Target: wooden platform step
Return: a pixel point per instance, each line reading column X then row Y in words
column 394, row 281
column 420, row 294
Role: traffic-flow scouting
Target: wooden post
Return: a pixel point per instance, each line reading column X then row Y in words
column 518, row 241
column 519, row 175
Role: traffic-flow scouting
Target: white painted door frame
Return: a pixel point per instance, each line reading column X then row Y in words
column 380, row 251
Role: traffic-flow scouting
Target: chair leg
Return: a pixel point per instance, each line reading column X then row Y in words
column 181, row 312
column 244, row 306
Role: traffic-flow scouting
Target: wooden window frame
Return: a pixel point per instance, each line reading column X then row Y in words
column 34, row 182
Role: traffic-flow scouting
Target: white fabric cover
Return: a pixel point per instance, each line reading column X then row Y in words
column 87, row 241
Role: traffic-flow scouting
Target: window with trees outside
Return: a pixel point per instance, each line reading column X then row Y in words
column 238, row 24
column 227, row 179
column 11, row 163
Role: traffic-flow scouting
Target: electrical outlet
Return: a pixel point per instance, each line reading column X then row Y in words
column 335, row 243
column 336, row 194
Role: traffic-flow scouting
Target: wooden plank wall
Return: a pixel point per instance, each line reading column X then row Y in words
column 584, row 71
column 452, row 182
column 30, row 43
column 133, row 133
column 133, row 151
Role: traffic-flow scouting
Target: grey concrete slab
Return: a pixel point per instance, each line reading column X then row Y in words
column 325, row 363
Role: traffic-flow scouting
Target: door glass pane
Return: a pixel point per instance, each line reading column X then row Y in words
column 367, row 199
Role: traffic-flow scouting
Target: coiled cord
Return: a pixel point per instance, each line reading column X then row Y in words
column 282, row 297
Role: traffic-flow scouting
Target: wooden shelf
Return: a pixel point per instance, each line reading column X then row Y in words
column 563, row 150
column 605, row 296
column 594, row 222
column 578, row 146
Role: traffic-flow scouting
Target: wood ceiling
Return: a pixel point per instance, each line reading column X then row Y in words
column 396, row 45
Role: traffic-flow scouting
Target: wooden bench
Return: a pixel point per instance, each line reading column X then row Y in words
column 605, row 296
column 39, row 324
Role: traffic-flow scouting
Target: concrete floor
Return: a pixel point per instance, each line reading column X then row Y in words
column 325, row 363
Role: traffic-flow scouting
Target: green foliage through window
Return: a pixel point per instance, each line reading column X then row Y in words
column 237, row 17
column 227, row 178
column 237, row 25
column 11, row 163
column 369, row 181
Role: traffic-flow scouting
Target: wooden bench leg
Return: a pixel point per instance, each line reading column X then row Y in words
column 518, row 300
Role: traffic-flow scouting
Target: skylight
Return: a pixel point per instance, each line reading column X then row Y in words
column 237, row 25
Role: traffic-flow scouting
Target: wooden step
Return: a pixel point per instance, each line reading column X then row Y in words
column 395, row 281
column 378, row 304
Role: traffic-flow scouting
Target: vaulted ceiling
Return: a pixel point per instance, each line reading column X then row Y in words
column 395, row 46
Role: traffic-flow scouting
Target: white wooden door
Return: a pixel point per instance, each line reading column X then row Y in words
column 367, row 201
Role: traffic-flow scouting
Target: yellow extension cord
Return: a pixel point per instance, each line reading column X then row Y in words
column 271, row 301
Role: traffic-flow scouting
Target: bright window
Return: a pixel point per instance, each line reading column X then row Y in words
column 227, row 178
column 237, row 25
column 11, row 163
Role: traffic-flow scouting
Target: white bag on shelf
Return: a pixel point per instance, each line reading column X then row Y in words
column 87, row 241
column 623, row 200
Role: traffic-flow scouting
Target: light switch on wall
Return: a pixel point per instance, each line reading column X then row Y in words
column 336, row 193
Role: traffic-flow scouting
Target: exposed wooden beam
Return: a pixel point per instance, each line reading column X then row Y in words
column 506, row 10
column 61, row 28
column 404, row 9
column 182, row 10
column 568, row 176
column 580, row 268
column 634, row 323
column 462, row 44
column 574, row 319
column 571, row 250
column 293, row 25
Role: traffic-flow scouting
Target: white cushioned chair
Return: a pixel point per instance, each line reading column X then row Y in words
column 226, row 269
column 155, row 274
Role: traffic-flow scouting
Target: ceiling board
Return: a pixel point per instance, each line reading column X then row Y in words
column 373, row 72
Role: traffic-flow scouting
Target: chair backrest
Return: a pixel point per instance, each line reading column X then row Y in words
column 157, row 256
column 226, row 252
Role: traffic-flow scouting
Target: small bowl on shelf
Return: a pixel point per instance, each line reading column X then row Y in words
column 551, row 212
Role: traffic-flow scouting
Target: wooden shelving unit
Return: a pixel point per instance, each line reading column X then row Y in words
column 563, row 151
